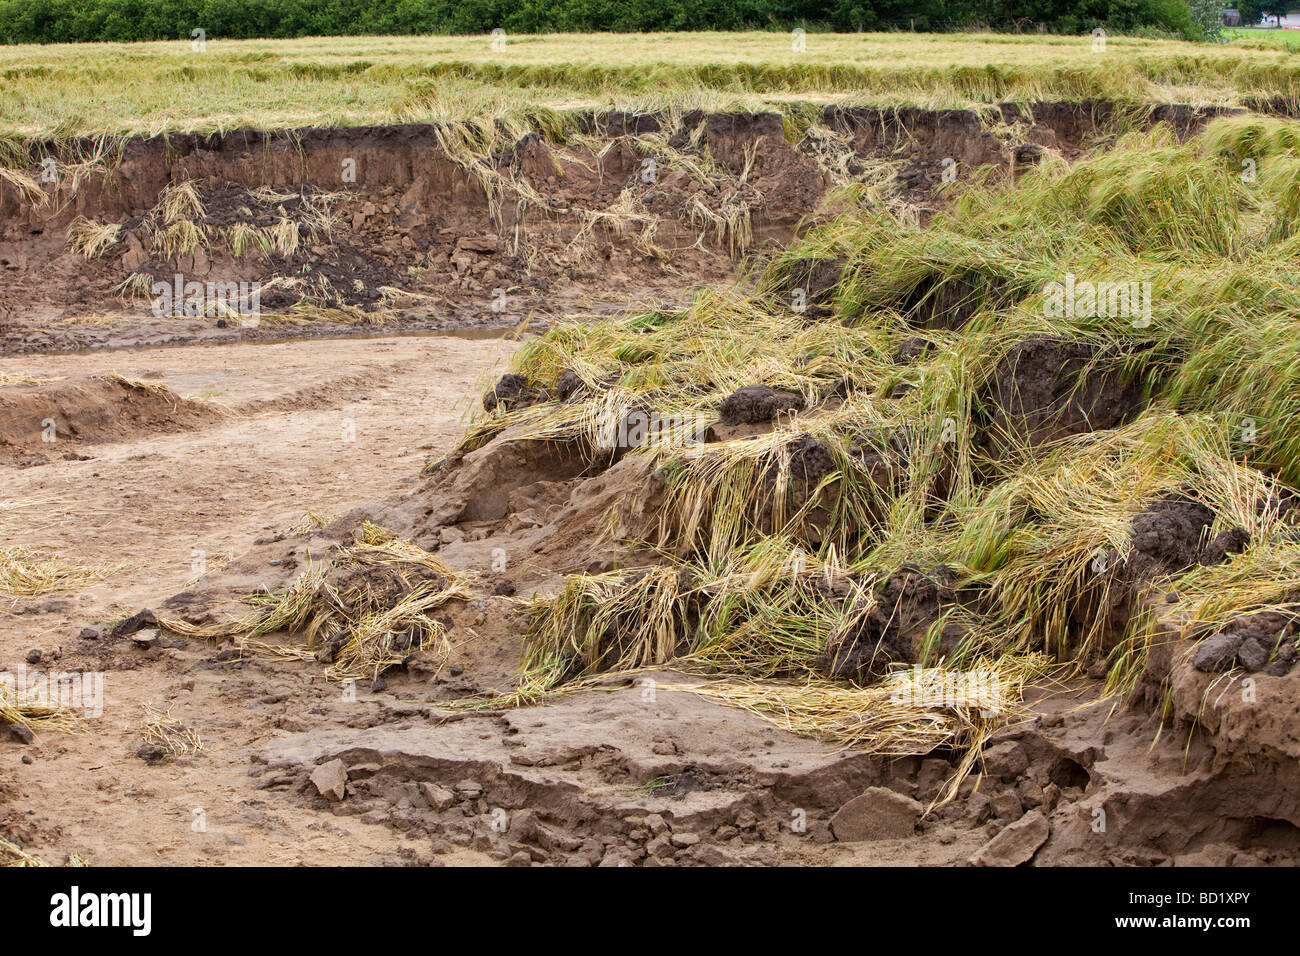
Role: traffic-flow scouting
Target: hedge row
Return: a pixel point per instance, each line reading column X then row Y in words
column 64, row 21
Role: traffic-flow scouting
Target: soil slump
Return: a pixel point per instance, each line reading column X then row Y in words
column 1044, row 389
column 893, row 631
column 756, row 403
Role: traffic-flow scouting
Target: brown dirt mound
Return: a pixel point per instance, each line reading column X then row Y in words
column 756, row 403
column 38, row 422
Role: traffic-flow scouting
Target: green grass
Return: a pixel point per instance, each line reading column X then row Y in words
column 61, row 90
column 746, row 555
column 1263, row 38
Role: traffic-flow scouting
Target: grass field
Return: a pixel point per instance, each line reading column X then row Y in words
column 1263, row 38
column 65, row 90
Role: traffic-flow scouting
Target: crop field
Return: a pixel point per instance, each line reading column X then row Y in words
column 147, row 88
column 674, row 449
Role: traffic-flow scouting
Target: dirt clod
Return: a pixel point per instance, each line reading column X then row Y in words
column 877, row 814
column 1016, row 844
column 21, row 733
column 511, row 392
column 330, row 780
column 1252, row 641
column 1169, row 533
column 136, row 622
column 752, row 404
column 891, row 631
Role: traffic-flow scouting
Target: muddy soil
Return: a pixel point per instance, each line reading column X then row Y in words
column 297, row 769
column 307, row 426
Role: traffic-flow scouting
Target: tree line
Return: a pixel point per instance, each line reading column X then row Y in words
column 66, row 21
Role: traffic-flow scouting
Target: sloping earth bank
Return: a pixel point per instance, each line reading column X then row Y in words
column 295, row 769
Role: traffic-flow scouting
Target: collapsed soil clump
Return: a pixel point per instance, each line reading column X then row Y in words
column 903, row 611
column 752, row 404
column 512, row 392
column 1264, row 641
column 1044, row 389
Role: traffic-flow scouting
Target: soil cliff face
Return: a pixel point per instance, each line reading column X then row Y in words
column 416, row 227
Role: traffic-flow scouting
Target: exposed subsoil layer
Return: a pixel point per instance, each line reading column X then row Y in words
column 392, row 227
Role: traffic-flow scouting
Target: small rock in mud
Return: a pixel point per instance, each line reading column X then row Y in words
column 438, row 798
column 33, row 656
column 136, row 622
column 877, row 814
column 1253, row 654
column 1260, row 641
column 503, row 589
column 1249, row 641
column 330, row 780
column 1007, row 805
column 1006, row 760
column 21, row 733
column 756, row 403
column 1016, row 844
column 510, row 392
column 469, row 789
column 90, row 633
